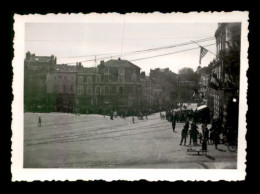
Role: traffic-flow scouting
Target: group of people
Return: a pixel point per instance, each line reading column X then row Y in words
column 192, row 132
column 207, row 136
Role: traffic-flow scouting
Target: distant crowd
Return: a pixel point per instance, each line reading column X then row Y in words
column 216, row 134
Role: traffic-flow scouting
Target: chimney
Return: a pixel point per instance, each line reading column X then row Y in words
column 28, row 55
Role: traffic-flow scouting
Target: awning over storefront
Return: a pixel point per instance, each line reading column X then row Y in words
column 201, row 107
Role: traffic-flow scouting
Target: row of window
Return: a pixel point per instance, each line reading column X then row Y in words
column 97, row 90
column 89, row 90
column 90, row 79
column 60, row 77
column 64, row 89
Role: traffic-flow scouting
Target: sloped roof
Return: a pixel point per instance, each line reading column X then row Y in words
column 120, row 63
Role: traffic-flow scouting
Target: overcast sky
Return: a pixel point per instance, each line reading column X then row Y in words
column 75, row 42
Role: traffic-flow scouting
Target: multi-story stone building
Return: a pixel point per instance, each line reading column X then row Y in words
column 164, row 88
column 113, row 85
column 61, row 88
column 225, row 74
column 36, row 69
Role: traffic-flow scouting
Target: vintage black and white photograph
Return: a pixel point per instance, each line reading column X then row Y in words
column 127, row 94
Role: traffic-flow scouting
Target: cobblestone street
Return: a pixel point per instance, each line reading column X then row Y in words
column 94, row 141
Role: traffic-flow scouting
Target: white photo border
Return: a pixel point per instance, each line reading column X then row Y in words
column 21, row 174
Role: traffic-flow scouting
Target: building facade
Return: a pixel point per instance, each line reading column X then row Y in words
column 61, row 88
column 163, row 88
column 147, row 93
column 113, row 85
column 36, row 69
column 225, row 71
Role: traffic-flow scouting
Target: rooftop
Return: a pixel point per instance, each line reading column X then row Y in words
column 43, row 59
column 120, row 63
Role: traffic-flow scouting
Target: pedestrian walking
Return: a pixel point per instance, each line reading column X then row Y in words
column 194, row 133
column 133, row 119
column 191, row 136
column 204, row 146
column 39, row 121
column 111, row 115
column 184, row 135
column 173, row 124
column 216, row 138
column 206, row 133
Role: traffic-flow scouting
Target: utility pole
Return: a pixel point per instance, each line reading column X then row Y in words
column 95, row 61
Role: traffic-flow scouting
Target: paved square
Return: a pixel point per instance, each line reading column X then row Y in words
column 94, row 141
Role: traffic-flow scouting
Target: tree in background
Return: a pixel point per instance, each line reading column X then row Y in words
column 186, row 70
column 187, row 74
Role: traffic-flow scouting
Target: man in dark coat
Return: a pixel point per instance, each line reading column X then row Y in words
column 194, row 133
column 184, row 135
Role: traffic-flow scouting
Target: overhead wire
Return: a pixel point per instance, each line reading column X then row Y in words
column 149, row 50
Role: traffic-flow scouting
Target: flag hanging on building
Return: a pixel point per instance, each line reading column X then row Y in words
column 203, row 52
